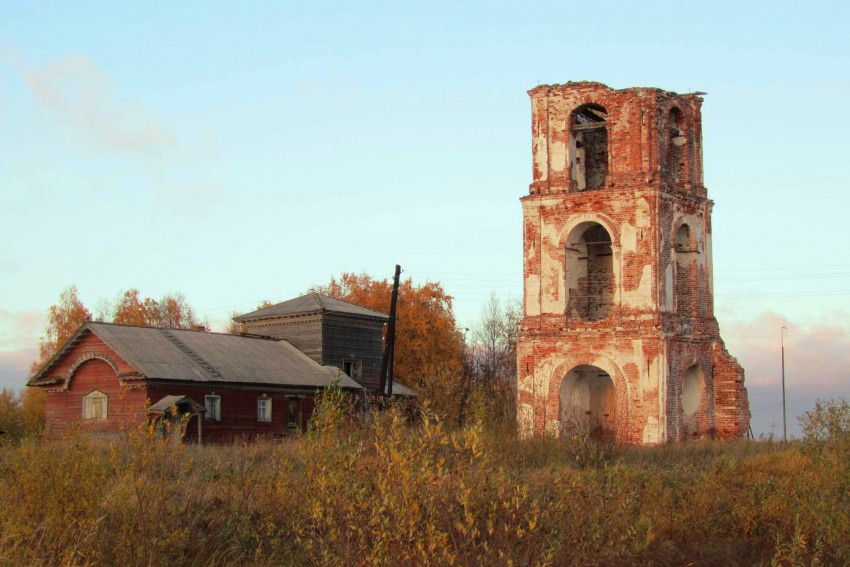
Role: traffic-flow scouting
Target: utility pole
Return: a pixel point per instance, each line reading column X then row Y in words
column 784, row 420
column 386, row 384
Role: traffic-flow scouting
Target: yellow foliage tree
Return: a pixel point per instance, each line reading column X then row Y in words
column 63, row 319
column 131, row 309
column 172, row 311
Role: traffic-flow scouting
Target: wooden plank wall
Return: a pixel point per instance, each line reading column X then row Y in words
column 346, row 338
column 304, row 333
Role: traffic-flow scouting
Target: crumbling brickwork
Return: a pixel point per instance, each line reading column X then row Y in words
column 619, row 335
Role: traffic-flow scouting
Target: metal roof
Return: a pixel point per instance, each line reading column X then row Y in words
column 200, row 356
column 310, row 303
column 167, row 402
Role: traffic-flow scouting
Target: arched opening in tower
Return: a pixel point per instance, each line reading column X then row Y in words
column 588, row 147
column 590, row 272
column 693, row 400
column 588, row 403
column 675, row 165
column 686, row 284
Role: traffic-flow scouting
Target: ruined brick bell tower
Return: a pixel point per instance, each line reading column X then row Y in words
column 619, row 335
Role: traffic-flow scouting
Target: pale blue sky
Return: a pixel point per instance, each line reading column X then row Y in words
column 246, row 153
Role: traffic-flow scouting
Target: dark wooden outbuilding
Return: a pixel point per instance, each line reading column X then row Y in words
column 330, row 331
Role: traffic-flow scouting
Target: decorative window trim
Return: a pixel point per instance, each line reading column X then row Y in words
column 213, row 404
column 264, row 409
column 95, row 405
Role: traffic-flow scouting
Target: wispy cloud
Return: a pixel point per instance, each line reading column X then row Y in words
column 21, row 319
column 76, row 90
column 817, row 353
column 14, row 369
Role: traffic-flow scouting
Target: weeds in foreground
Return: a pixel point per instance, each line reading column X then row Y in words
column 392, row 492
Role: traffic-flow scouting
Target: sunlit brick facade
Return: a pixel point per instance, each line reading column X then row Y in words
column 619, row 336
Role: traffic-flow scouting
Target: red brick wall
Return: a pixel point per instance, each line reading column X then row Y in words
column 64, row 408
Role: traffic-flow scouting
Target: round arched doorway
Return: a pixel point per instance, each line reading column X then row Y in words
column 588, row 402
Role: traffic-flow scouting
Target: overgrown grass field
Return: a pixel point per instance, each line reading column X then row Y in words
column 392, row 492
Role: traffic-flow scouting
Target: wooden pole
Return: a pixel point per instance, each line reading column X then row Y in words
column 386, row 384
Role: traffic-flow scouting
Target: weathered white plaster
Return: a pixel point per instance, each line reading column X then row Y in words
column 558, row 156
column 643, row 218
column 532, row 294
column 525, row 419
column 650, row 431
column 628, row 238
column 540, row 154
column 644, row 291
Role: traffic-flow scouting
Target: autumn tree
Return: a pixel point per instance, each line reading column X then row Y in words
column 63, row 319
column 172, row 311
column 176, row 313
column 132, row 309
column 428, row 343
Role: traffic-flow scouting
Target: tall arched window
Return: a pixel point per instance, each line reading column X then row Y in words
column 675, row 164
column 589, row 147
column 589, row 272
column 686, row 284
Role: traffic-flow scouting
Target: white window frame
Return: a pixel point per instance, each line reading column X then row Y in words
column 213, row 404
column 264, row 408
column 91, row 401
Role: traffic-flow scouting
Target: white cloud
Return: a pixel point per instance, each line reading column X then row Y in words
column 76, row 90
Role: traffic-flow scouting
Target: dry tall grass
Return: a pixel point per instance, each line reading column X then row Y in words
column 395, row 493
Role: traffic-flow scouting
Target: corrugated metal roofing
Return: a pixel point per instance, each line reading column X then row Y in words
column 198, row 356
column 310, row 303
column 165, row 404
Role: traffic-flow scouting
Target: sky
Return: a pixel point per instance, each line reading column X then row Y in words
column 241, row 153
